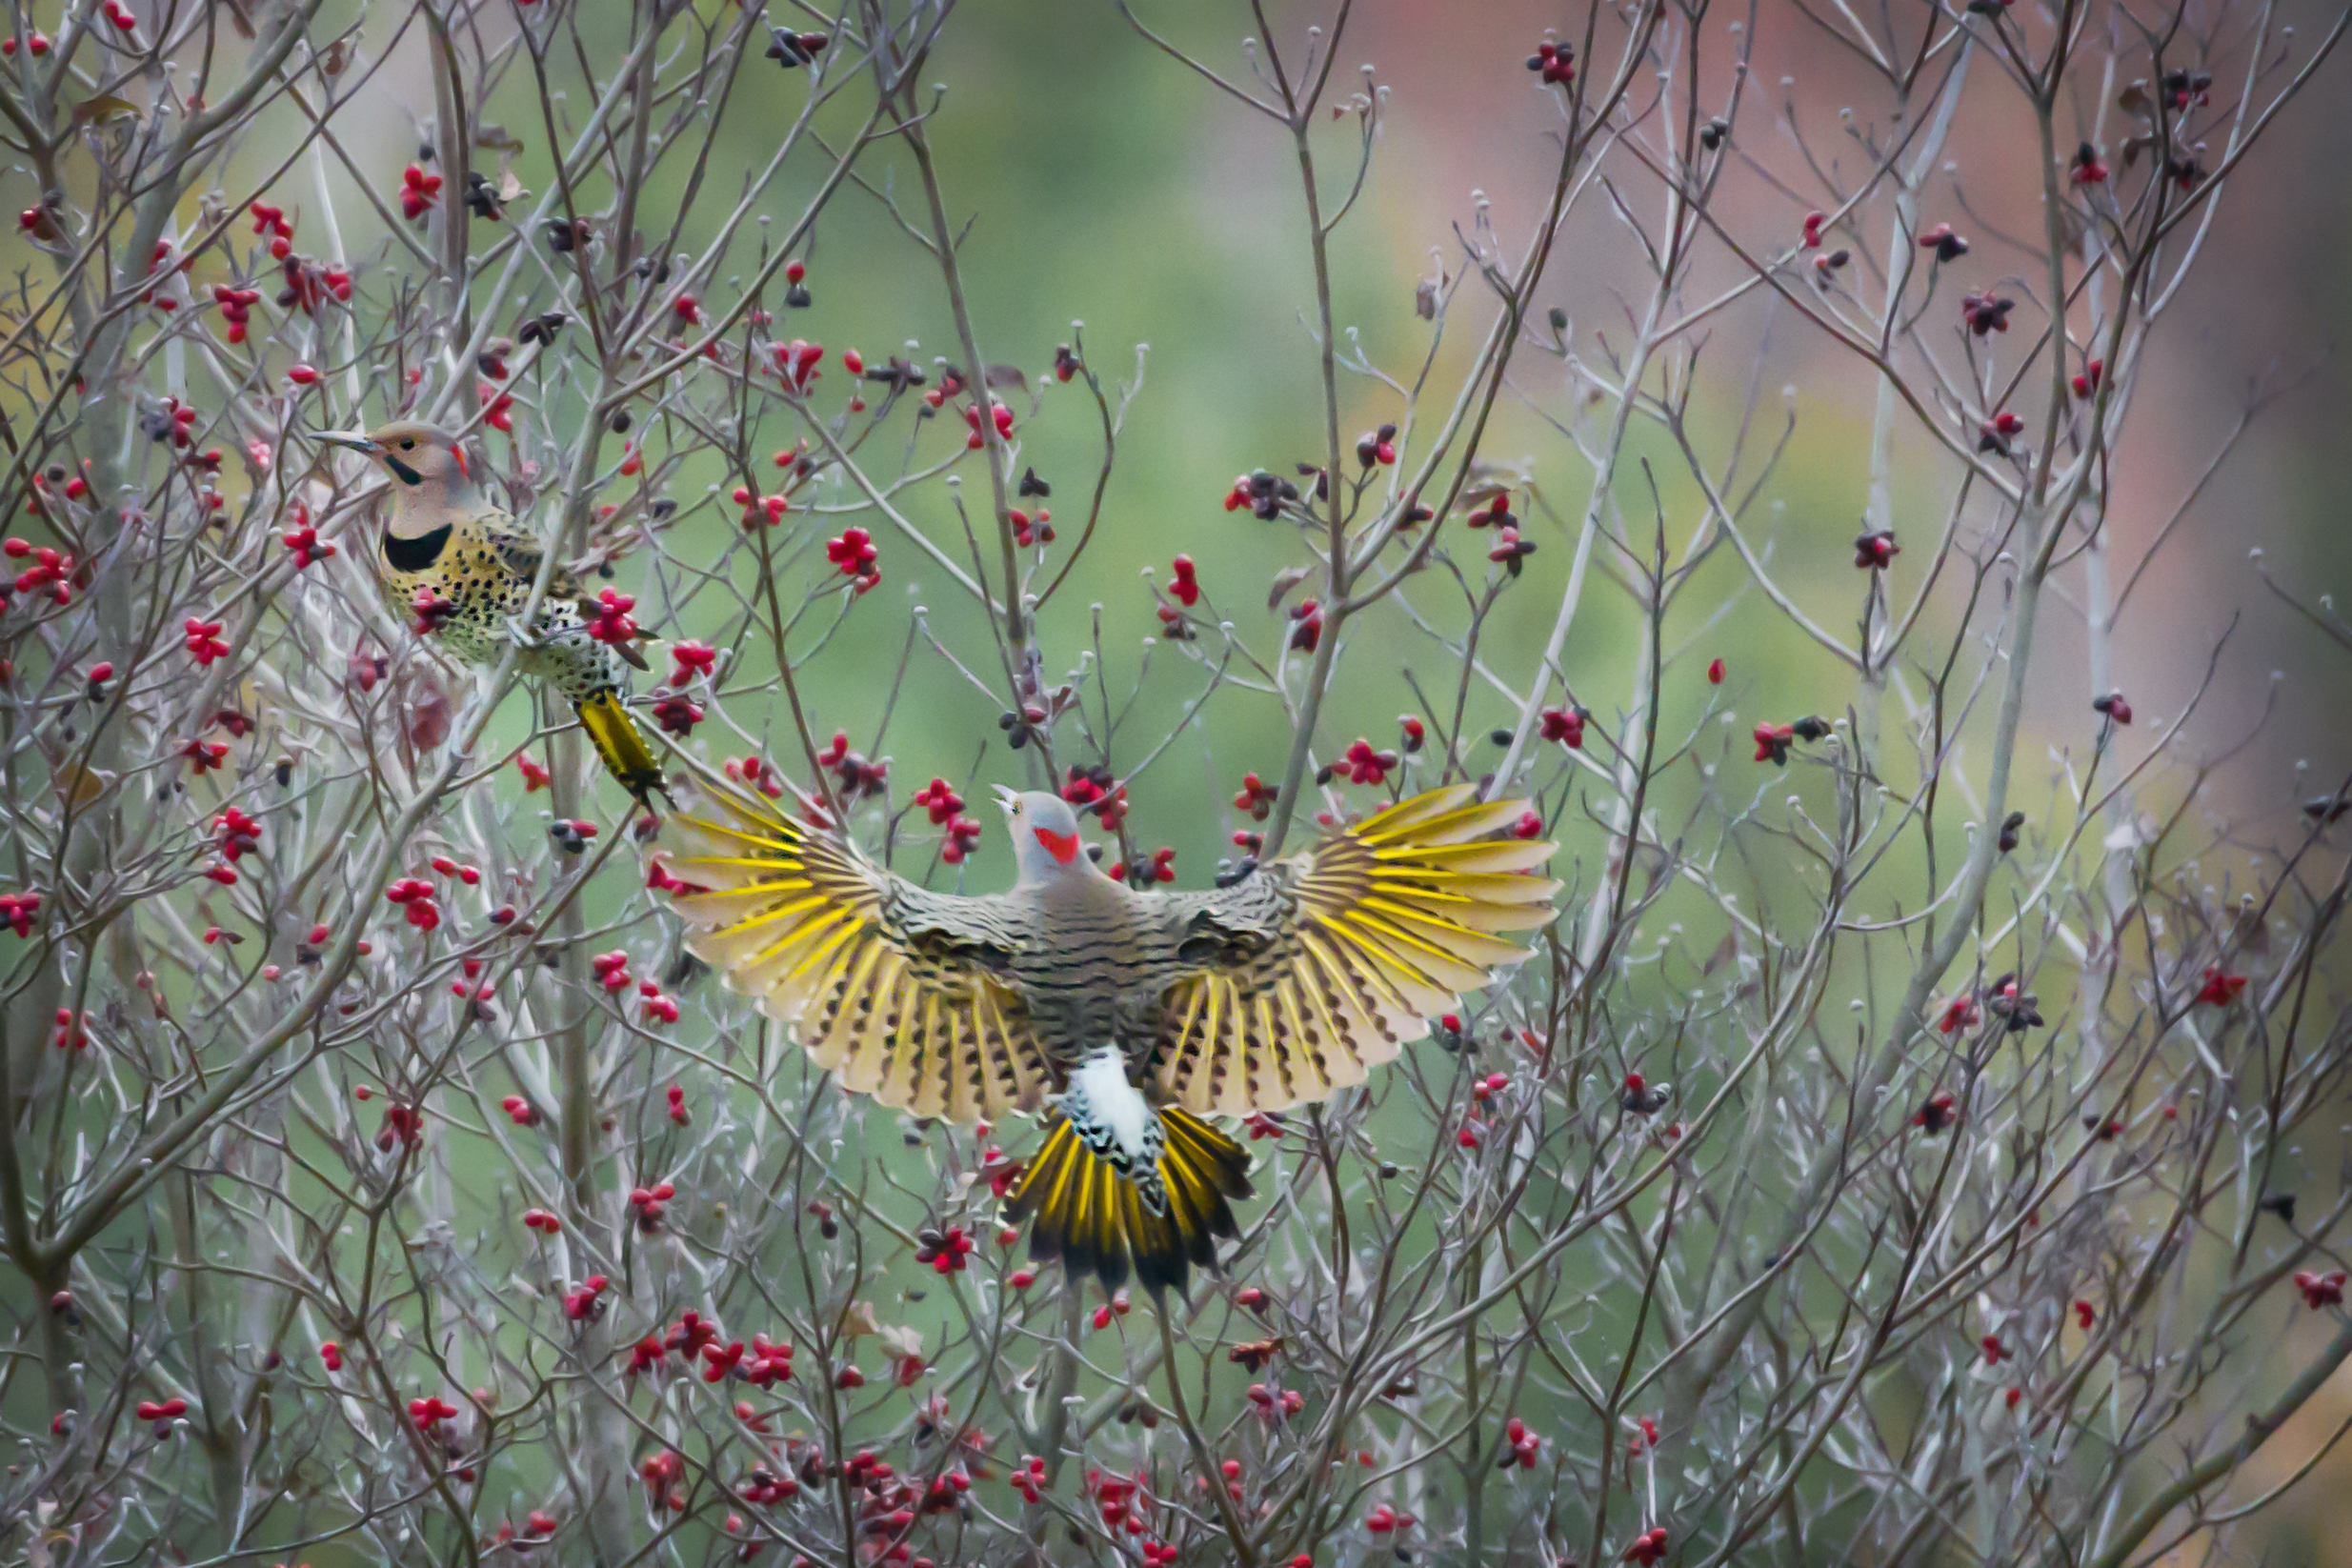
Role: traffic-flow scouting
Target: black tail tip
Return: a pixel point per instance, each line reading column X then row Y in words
column 1158, row 1268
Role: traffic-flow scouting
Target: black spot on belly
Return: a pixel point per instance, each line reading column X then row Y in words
column 417, row 554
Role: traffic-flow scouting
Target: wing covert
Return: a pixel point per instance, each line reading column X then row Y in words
column 886, row 983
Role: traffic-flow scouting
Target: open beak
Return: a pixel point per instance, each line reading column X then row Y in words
column 1006, row 797
column 353, row 439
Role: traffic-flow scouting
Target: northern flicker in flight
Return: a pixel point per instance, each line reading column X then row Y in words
column 452, row 562
column 1130, row 1015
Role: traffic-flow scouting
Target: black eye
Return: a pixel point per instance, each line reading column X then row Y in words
column 408, row 443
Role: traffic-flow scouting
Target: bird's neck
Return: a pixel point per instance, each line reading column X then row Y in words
column 1040, row 872
column 418, row 509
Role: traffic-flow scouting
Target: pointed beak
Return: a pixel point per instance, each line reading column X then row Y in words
column 353, row 439
column 1006, row 798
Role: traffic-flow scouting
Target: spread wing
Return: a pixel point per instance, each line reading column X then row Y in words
column 891, row 986
column 1325, row 964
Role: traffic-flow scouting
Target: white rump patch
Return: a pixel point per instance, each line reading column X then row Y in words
column 1101, row 1081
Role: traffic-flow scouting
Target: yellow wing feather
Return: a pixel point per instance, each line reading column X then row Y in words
column 1389, row 921
column 868, row 973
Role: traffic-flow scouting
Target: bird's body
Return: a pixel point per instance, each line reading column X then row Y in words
column 483, row 567
column 1131, row 1014
column 461, row 568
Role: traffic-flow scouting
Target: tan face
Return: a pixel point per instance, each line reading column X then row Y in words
column 427, row 467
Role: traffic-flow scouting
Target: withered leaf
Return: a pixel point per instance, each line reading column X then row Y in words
column 428, row 715
column 1284, row 580
column 1254, row 1355
column 103, row 109
column 1490, row 478
column 82, row 787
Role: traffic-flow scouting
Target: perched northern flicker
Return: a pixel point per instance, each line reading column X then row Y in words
column 1130, row 1014
column 452, row 562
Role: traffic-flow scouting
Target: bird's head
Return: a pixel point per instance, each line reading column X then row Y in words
column 1045, row 835
column 427, row 467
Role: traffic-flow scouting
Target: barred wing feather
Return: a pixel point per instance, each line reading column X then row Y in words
column 884, row 982
column 1332, row 960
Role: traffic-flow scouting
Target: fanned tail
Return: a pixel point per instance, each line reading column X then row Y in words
column 621, row 746
column 1097, row 1220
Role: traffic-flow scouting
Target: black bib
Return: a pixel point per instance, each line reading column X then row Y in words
column 417, row 554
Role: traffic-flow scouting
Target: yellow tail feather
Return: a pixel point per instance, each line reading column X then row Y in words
column 620, row 745
column 1096, row 1221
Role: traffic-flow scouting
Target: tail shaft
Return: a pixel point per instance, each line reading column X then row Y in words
column 1098, row 1220
column 620, row 745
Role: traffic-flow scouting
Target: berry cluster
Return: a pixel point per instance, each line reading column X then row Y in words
column 236, row 306
column 403, row 1126
column 303, row 542
column 797, row 362
column 419, row 191
column 1986, row 313
column 50, row 573
column 1939, row 1112
column 310, row 285
column 2221, row 987
column 432, row 611
column 2321, row 1290
column 236, row 834
column 1361, row 764
column 998, row 415
column 853, row 555
column 759, row 774
column 204, row 640
column 1875, row 551
column 1994, row 434
column 1648, row 1548
column 1265, row 494
column 1306, row 626
column 1947, row 245
column 415, row 898
column 1555, row 63
column 587, row 1303
column 1276, row 1404
column 647, row 1203
column 944, row 1250
column 18, row 911
column 857, row 777
column 1097, row 787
